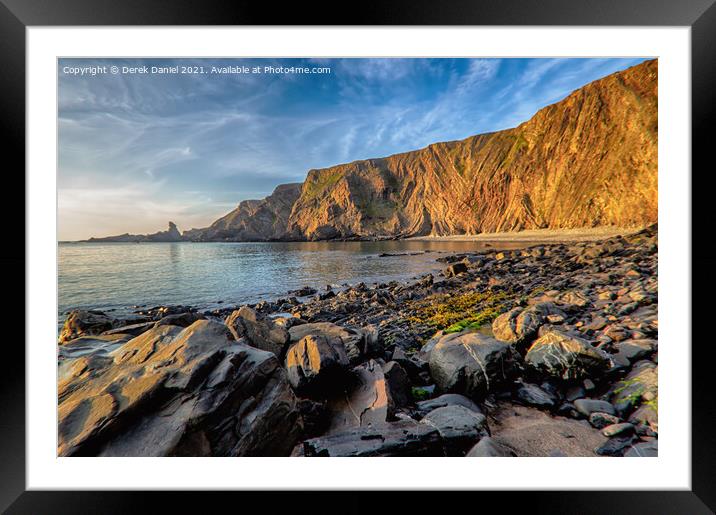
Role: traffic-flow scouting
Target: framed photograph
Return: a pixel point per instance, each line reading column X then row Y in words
column 438, row 247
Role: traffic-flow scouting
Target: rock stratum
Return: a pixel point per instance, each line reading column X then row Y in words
column 588, row 160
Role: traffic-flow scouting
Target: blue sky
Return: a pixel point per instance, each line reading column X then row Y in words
column 138, row 150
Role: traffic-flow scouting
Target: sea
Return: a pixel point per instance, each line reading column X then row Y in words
column 120, row 278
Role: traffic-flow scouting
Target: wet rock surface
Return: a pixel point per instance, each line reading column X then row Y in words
column 171, row 392
column 550, row 350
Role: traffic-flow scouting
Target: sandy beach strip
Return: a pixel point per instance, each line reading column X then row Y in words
column 539, row 235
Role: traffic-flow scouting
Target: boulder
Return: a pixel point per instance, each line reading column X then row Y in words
column 601, row 420
column 643, row 450
column 398, row 383
column 258, row 331
column 357, row 342
column 471, row 363
column 402, row 438
column 459, row 427
column 366, row 402
column 316, row 363
column 634, row 350
column 588, row 406
column 448, row 431
column 616, row 446
column 85, row 323
column 180, row 392
column 448, row 399
column 179, row 319
column 532, row 395
column 521, row 325
column 489, row 448
column 565, row 356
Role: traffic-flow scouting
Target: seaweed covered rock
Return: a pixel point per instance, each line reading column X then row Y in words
column 639, row 387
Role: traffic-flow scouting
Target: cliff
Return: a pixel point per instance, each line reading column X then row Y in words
column 253, row 220
column 588, row 160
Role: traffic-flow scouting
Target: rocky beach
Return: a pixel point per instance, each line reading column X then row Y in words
column 546, row 350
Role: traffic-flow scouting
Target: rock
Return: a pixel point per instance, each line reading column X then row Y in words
column 588, row 406
column 575, row 392
column 643, row 450
column 355, row 341
column 85, row 323
column 314, row 416
column 398, row 383
column 459, row 427
column 132, row 329
column 86, row 345
column 448, row 399
column 196, row 392
column 646, row 415
column 455, row 269
column 601, row 420
column 402, row 438
column 488, row 448
column 179, row 319
column 615, row 446
column 316, row 364
column 634, row 350
column 471, row 363
column 262, row 333
column 446, row 433
column 427, row 348
column 532, row 395
column 367, row 402
column 412, row 365
column 303, row 292
column 574, row 299
column 520, row 325
column 618, row 429
column 629, row 393
column 565, row 356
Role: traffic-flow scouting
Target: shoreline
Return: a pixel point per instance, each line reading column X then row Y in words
column 538, row 235
column 527, row 236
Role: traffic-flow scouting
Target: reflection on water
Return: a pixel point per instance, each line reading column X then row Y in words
column 120, row 275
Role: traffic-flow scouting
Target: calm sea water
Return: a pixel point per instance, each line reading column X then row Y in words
column 118, row 276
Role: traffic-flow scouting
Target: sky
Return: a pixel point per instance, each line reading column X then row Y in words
column 139, row 149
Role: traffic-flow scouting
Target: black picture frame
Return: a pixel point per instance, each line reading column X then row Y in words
column 17, row 15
